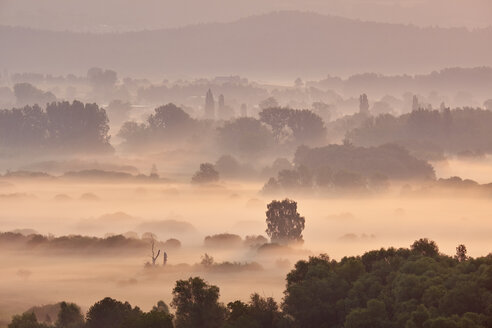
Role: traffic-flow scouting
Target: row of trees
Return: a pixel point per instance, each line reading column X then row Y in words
column 388, row 288
column 244, row 136
column 429, row 130
column 62, row 126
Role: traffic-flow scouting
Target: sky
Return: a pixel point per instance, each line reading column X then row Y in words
column 124, row 15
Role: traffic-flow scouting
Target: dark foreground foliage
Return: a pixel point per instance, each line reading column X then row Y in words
column 416, row 287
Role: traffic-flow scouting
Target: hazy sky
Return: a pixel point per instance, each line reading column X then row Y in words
column 117, row 15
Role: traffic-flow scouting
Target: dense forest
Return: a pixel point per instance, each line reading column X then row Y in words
column 416, row 287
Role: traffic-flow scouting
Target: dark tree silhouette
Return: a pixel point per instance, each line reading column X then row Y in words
column 425, row 247
column 26, row 320
column 206, row 174
column 284, row 223
column 69, row 316
column 27, row 94
column 461, row 253
column 293, row 125
column 363, row 104
column 209, row 105
column 197, row 305
column 110, row 313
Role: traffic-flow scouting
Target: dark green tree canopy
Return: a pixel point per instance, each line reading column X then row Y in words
column 196, row 304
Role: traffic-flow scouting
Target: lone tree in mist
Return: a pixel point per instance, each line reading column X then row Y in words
column 154, row 256
column 285, row 224
column 206, row 174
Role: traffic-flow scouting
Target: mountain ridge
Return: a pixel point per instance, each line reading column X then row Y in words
column 284, row 43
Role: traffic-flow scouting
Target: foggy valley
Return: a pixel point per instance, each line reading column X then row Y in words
column 270, row 167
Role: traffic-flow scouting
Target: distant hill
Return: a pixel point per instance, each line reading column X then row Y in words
column 281, row 44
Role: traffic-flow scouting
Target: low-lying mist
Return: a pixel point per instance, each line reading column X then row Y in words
column 80, row 240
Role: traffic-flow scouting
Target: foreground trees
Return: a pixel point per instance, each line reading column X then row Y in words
column 415, row 287
column 197, row 305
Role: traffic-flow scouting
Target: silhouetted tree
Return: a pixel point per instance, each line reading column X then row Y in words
column 425, row 247
column 161, row 307
column 461, row 253
column 206, row 174
column 69, row 316
column 27, row 94
column 26, row 320
column 197, row 305
column 363, row 104
column 100, row 78
column 415, row 103
column 284, row 223
column 269, row 103
column 209, row 105
column 245, row 136
column 109, row 313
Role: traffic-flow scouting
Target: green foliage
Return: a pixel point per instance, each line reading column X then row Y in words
column 197, row 305
column 109, row 313
column 69, row 316
column 411, row 288
column 26, row 320
column 258, row 313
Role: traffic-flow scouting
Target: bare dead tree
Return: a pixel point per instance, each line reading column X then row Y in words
column 154, row 257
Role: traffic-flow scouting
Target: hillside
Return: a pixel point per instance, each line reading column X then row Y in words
column 281, row 44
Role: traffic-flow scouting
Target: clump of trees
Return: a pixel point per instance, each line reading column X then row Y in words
column 169, row 124
column 425, row 130
column 79, row 244
column 390, row 160
column 386, row 288
column 61, row 127
column 347, row 168
column 206, row 174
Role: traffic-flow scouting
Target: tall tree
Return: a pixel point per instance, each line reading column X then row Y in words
column 209, row 105
column 284, row 223
column 196, row 304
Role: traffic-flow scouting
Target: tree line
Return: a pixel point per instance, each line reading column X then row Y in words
column 61, row 126
column 406, row 287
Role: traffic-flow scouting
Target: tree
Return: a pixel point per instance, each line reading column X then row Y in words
column 26, row 320
column 100, row 78
column 269, row 103
column 374, row 316
column 285, row 225
column 425, row 247
column 363, row 104
column 110, row 313
column 258, row 313
column 27, row 94
column 293, row 125
column 209, row 105
column 461, row 253
column 197, row 305
column 415, row 103
column 206, row 174
column 169, row 120
column 161, row 307
column 152, row 319
column 154, row 256
column 83, row 127
column 245, row 136
column 69, row 316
